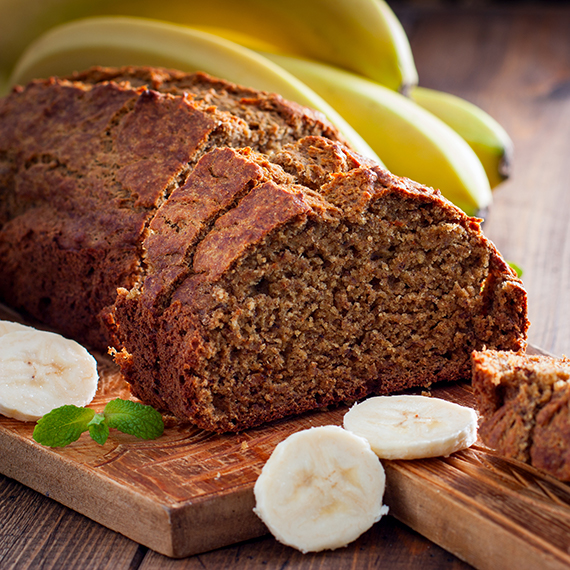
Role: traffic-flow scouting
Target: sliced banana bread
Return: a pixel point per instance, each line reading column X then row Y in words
column 242, row 261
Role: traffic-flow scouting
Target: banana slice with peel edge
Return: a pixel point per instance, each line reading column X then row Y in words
column 40, row 371
column 412, row 427
column 320, row 489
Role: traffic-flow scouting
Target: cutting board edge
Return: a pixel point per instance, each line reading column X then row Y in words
column 48, row 473
column 232, row 516
column 409, row 500
column 161, row 527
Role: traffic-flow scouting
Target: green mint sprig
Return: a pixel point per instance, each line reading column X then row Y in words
column 65, row 424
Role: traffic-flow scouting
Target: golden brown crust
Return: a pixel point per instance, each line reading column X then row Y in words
column 88, row 165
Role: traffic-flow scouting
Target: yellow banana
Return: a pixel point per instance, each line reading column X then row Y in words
column 361, row 35
column 484, row 134
column 410, row 141
column 116, row 41
column 3, row 85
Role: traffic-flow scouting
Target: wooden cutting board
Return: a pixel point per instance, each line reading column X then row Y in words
column 191, row 491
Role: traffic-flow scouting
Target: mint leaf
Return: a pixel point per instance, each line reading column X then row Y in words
column 134, row 418
column 98, row 429
column 62, row 426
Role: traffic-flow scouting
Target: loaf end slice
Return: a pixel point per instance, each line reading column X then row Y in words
column 524, row 401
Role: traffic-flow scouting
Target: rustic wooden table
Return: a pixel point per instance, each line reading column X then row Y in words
column 513, row 61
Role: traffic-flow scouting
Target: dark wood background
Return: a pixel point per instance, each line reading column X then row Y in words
column 513, row 60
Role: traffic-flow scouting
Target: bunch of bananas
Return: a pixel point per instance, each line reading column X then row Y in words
column 350, row 59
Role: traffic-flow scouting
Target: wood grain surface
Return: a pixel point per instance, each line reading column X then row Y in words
column 515, row 63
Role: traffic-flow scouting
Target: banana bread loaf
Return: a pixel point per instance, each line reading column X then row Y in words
column 242, row 261
column 524, row 401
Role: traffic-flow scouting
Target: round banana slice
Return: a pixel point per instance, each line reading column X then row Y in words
column 40, row 371
column 412, row 427
column 320, row 489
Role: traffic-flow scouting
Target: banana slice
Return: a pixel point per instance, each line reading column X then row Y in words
column 412, row 427
column 10, row 326
column 320, row 489
column 40, row 371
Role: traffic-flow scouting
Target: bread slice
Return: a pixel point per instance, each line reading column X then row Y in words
column 246, row 264
column 524, row 401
